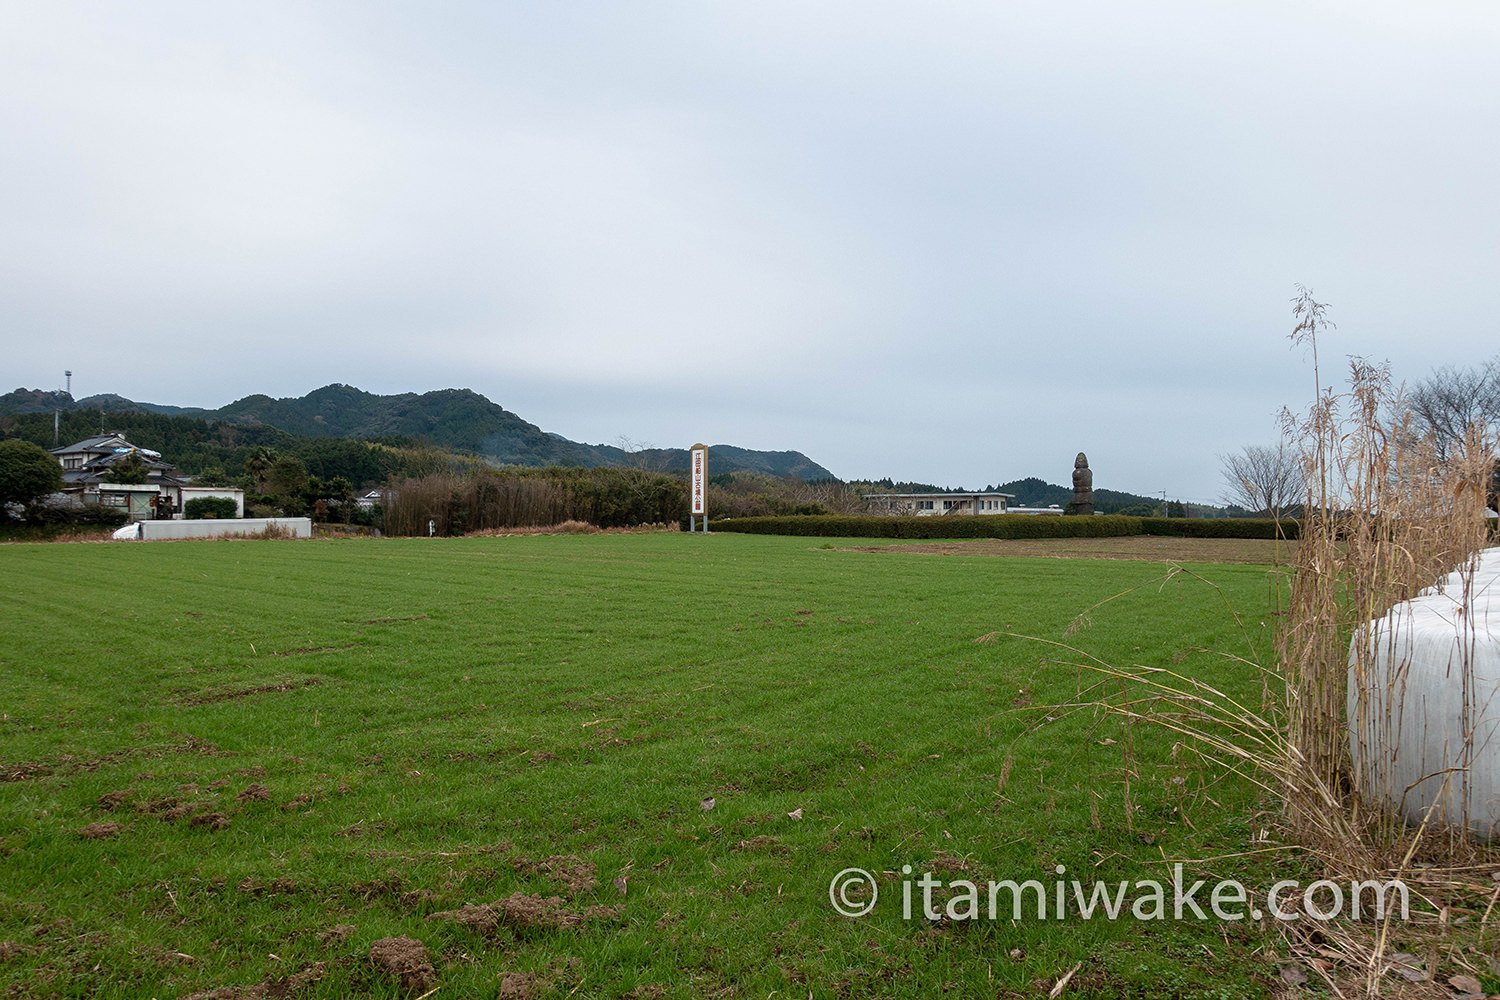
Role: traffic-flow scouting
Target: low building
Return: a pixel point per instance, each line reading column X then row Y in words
column 935, row 504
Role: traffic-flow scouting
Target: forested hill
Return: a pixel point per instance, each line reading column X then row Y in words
column 456, row 419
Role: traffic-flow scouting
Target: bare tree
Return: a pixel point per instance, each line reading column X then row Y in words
column 643, row 454
column 1451, row 400
column 1261, row 478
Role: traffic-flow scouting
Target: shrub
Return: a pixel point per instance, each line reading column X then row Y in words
column 27, row 471
column 207, row 508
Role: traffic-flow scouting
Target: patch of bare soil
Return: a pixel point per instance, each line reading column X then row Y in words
column 404, row 959
column 1144, row 548
column 280, row 986
column 304, row 650
column 525, row 912
column 646, row 991
column 521, row 986
column 66, row 764
column 211, row 696
column 99, row 831
column 764, row 842
column 305, row 799
column 336, row 934
column 950, row 864
column 569, row 870
column 11, row 950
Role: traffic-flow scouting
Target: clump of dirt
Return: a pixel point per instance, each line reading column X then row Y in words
column 213, row 821
column 281, row 986
column 110, row 800
column 542, row 756
column 574, row 873
column 253, row 885
column 11, row 950
column 405, row 959
column 254, row 793
column 182, row 811
column 99, row 831
column 525, row 912
column 216, row 785
column 158, row 806
column 337, row 934
column 521, row 986
column 305, row 799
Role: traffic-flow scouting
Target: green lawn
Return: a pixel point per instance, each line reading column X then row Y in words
column 432, row 720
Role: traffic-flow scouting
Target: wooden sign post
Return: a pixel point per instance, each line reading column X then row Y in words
column 698, row 464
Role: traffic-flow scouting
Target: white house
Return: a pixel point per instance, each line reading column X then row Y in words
column 934, row 504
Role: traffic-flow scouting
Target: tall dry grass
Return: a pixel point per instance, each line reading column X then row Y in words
column 1387, row 513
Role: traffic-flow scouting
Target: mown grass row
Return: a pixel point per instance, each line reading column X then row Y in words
column 426, row 722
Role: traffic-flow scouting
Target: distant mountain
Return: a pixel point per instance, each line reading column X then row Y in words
column 464, row 419
column 458, row 419
column 43, row 401
column 36, row 401
column 111, row 403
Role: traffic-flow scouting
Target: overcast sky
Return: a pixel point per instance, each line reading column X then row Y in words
column 950, row 242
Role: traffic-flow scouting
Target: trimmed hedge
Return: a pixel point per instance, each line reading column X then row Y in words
column 87, row 515
column 1006, row 526
column 209, row 508
column 1221, row 527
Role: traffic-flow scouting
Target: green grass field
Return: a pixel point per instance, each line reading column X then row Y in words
column 427, row 723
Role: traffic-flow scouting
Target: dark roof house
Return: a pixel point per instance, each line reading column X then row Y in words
column 87, row 462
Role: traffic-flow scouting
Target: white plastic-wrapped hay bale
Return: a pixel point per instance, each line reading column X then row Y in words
column 1424, row 719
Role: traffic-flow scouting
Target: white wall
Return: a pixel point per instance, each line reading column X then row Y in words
column 153, row 531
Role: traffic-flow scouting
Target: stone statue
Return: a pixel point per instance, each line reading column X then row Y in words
column 1083, row 486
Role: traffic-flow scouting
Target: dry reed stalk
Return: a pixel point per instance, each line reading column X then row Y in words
column 1387, row 513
